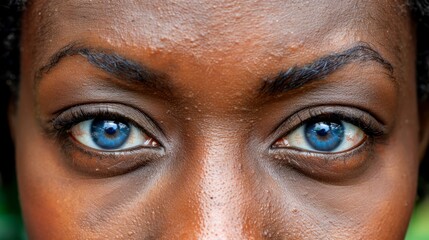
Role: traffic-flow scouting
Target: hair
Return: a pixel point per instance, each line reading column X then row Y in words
column 10, row 15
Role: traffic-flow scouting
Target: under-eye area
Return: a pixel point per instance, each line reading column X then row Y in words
column 328, row 142
column 106, row 139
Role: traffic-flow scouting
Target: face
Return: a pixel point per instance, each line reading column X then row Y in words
column 217, row 119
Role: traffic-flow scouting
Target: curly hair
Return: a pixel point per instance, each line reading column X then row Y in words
column 10, row 15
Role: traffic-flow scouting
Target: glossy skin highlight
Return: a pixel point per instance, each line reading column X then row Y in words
column 216, row 174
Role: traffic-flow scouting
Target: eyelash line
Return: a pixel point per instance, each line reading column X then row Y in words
column 79, row 115
column 367, row 126
column 61, row 125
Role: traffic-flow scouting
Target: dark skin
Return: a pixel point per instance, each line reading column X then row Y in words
column 201, row 80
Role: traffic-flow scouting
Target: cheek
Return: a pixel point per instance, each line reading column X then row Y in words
column 393, row 187
column 400, row 161
column 42, row 191
column 386, row 200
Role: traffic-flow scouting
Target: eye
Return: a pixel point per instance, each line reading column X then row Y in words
column 323, row 136
column 110, row 135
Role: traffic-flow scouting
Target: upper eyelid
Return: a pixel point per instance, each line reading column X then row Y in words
column 300, row 117
column 141, row 120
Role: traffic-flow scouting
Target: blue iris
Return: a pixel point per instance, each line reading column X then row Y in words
column 108, row 134
column 324, row 136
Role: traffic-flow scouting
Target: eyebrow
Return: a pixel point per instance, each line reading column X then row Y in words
column 112, row 63
column 297, row 76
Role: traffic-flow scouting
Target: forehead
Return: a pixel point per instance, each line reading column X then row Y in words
column 216, row 25
column 230, row 43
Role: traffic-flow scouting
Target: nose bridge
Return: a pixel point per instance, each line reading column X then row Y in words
column 217, row 188
column 224, row 198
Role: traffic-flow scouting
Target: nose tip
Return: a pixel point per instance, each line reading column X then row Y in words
column 214, row 199
column 224, row 207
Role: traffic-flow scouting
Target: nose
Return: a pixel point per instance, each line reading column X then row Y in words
column 215, row 193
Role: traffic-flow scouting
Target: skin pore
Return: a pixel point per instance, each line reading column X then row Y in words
column 219, row 89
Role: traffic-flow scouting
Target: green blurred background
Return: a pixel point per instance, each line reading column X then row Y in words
column 419, row 227
column 11, row 226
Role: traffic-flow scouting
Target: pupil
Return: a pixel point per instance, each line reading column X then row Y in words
column 324, row 136
column 111, row 130
column 322, row 129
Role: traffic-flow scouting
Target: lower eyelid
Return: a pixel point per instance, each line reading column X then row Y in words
column 96, row 163
column 325, row 166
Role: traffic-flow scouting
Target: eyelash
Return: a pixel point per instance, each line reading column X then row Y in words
column 62, row 126
column 368, row 124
